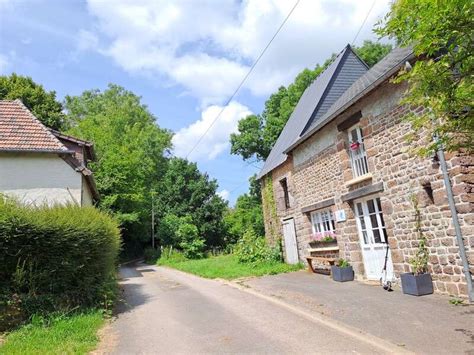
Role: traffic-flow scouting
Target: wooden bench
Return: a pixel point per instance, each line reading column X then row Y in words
column 321, row 259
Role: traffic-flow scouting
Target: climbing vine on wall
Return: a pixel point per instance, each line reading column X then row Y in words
column 269, row 207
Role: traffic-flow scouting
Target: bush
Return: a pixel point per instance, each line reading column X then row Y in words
column 151, row 255
column 191, row 243
column 55, row 258
column 252, row 248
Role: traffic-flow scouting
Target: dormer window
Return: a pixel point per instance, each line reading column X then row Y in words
column 357, row 152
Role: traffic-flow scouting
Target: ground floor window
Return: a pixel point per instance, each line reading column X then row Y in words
column 322, row 222
column 370, row 221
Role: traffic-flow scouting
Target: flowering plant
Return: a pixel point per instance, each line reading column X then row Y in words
column 355, row 145
column 323, row 237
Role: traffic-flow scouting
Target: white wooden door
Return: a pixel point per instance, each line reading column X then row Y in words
column 291, row 248
column 373, row 237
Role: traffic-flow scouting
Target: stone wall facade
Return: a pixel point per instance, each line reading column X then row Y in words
column 320, row 170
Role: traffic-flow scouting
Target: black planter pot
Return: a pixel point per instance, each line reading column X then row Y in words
column 342, row 274
column 416, row 285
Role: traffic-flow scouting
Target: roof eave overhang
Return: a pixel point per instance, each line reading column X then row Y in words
column 49, row 151
column 351, row 102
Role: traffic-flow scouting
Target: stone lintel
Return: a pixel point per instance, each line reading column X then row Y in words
column 318, row 206
column 363, row 191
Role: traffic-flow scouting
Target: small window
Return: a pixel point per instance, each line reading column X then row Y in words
column 357, row 152
column 322, row 221
column 284, row 186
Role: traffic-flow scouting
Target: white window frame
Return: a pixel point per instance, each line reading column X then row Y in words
column 322, row 221
column 359, row 162
column 364, row 221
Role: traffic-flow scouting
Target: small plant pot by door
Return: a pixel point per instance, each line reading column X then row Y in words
column 416, row 285
column 342, row 274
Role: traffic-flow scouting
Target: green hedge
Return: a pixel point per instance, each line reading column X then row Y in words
column 55, row 258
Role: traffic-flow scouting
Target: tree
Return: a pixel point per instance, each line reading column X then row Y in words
column 442, row 36
column 42, row 103
column 258, row 133
column 130, row 149
column 185, row 191
column 247, row 214
column 372, row 52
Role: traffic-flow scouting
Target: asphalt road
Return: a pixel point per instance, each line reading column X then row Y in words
column 170, row 312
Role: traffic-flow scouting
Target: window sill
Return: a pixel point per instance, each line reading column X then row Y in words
column 359, row 179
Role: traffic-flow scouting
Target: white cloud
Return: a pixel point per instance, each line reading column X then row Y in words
column 217, row 138
column 87, row 40
column 207, row 47
column 224, row 194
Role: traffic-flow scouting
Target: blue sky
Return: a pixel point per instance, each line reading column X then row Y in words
column 184, row 58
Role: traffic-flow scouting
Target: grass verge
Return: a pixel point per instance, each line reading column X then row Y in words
column 74, row 334
column 227, row 267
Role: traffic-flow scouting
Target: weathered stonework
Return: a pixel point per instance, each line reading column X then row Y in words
column 320, row 169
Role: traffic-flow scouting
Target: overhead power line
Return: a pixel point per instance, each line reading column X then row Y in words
column 363, row 22
column 244, row 79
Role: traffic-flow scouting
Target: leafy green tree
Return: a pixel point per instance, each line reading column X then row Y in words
column 41, row 102
column 258, row 133
column 247, row 214
column 372, row 52
column 185, row 191
column 442, row 36
column 190, row 243
column 130, row 149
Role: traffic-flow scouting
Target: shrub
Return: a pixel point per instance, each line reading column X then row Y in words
column 55, row 258
column 252, row 248
column 151, row 255
column 191, row 243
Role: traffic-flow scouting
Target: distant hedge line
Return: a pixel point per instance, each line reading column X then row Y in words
column 55, row 258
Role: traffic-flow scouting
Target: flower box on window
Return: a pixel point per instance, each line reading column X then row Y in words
column 323, row 239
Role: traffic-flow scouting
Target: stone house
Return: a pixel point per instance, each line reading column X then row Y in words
column 42, row 166
column 350, row 170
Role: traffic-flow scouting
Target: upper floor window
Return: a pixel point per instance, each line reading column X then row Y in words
column 357, row 152
column 322, row 222
column 286, row 195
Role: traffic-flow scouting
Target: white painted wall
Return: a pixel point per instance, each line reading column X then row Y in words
column 35, row 178
column 87, row 199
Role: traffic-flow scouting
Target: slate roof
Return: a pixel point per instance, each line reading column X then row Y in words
column 315, row 101
column 20, row 130
column 376, row 75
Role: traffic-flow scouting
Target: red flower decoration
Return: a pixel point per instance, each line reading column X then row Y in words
column 355, row 145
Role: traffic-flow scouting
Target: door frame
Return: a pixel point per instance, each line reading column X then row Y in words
column 370, row 235
column 290, row 221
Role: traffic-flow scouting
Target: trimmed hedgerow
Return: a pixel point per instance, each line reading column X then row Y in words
column 55, row 258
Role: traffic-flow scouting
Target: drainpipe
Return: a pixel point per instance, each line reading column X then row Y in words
column 457, row 228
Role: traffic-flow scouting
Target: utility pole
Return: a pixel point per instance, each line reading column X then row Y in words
column 153, row 220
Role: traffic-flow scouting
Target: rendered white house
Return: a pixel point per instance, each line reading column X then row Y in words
column 41, row 166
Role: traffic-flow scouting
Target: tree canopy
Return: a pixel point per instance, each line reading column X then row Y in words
column 42, row 103
column 246, row 215
column 258, row 133
column 442, row 36
column 130, row 150
column 186, row 192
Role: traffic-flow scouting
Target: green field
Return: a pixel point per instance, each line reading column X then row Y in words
column 227, row 267
column 75, row 334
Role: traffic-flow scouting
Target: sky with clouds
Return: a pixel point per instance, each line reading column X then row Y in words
column 184, row 57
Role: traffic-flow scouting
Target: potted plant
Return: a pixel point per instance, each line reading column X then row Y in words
column 342, row 271
column 322, row 239
column 418, row 282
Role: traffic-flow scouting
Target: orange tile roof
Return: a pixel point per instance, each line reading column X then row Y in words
column 20, row 130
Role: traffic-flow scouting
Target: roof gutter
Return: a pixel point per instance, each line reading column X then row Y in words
column 351, row 102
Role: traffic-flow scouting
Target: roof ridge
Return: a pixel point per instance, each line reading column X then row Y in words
column 43, row 127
